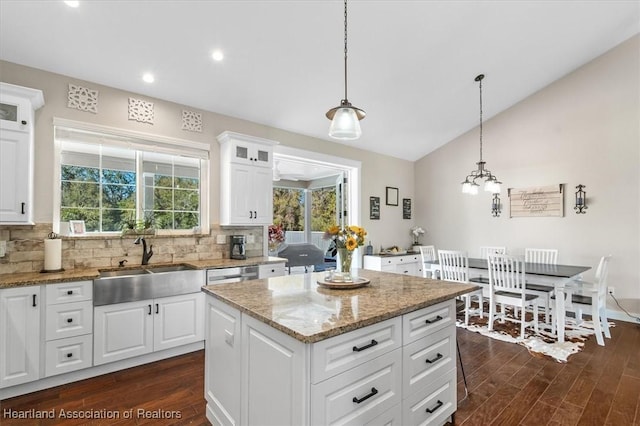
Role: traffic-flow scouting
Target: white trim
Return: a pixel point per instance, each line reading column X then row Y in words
column 79, row 125
column 619, row 315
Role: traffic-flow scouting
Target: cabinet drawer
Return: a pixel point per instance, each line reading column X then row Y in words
column 338, row 354
column 432, row 405
column 391, row 417
column 359, row 395
column 68, row 320
column 428, row 320
column 271, row 270
column 65, row 355
column 69, row 292
column 428, row 358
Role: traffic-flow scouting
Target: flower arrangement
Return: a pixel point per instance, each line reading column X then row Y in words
column 350, row 237
column 416, row 231
column 276, row 236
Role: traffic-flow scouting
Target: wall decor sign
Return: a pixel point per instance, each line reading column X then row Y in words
column 374, row 208
column 392, row 196
column 539, row 201
column 406, row 208
column 140, row 110
column 191, row 121
column 82, row 98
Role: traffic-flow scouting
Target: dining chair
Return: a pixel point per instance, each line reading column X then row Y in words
column 454, row 266
column 428, row 254
column 507, row 287
column 485, row 250
column 593, row 297
column 548, row 257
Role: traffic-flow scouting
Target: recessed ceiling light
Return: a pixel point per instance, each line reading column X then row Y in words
column 72, row 3
column 217, row 55
column 148, row 78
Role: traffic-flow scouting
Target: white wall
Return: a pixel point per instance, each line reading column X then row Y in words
column 378, row 170
column 582, row 129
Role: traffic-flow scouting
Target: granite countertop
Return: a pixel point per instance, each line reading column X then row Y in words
column 37, row 278
column 297, row 306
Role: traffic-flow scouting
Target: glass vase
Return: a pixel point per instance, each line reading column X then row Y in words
column 344, row 260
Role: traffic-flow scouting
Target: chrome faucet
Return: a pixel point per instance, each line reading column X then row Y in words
column 146, row 255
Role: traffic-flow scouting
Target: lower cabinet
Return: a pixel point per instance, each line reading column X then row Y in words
column 19, row 335
column 126, row 330
column 408, row 264
column 255, row 374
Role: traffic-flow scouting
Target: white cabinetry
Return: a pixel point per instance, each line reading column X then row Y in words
column 19, row 335
column 126, row 330
column 17, row 106
column 408, row 264
column 399, row 371
column 68, row 327
column 271, row 270
column 246, row 189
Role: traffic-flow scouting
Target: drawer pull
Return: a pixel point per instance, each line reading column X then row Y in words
column 438, row 318
column 69, row 292
column 69, row 355
column 69, row 320
column 431, row 361
column 438, row 405
column 362, row 348
column 367, row 396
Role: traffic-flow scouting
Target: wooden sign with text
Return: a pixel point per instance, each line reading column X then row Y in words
column 541, row 201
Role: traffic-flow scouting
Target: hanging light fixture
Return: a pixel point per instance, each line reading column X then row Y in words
column 345, row 118
column 491, row 183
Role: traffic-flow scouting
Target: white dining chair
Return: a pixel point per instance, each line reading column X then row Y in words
column 428, row 254
column 485, row 250
column 507, row 287
column 547, row 257
column 454, row 266
column 592, row 297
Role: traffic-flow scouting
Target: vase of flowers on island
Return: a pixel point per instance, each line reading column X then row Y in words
column 346, row 240
column 276, row 237
column 416, row 232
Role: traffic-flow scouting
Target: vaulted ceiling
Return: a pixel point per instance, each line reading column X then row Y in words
column 411, row 63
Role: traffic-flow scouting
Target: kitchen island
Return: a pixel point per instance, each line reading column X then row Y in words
column 285, row 350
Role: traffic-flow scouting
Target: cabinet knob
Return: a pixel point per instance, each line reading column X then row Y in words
column 24, row 122
column 69, row 292
column 69, row 355
column 69, row 320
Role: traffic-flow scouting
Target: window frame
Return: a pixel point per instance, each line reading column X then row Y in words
column 141, row 141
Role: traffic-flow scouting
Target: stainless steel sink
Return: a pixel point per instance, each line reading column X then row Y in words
column 130, row 285
column 123, row 273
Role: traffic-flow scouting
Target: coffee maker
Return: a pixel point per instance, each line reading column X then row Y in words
column 238, row 247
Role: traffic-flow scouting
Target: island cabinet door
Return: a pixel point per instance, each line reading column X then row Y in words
column 222, row 363
column 274, row 384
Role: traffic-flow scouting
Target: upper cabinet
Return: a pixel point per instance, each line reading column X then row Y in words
column 246, row 188
column 17, row 114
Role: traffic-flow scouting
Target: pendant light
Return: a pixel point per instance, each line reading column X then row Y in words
column 491, row 183
column 345, row 118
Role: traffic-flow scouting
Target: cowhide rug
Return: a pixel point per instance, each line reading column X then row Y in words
column 542, row 344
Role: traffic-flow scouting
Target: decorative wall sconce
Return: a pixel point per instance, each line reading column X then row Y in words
column 581, row 200
column 496, row 207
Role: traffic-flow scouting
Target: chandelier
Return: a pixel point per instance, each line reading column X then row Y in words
column 345, row 118
column 491, row 183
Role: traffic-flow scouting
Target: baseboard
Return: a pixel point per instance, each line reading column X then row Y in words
column 74, row 376
column 621, row 316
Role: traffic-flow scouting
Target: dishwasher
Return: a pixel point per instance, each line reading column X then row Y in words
column 231, row 275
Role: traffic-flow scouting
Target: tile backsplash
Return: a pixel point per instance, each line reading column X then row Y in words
column 25, row 248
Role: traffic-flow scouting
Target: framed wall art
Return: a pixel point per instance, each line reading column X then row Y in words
column 406, row 208
column 77, row 227
column 374, row 208
column 392, row 196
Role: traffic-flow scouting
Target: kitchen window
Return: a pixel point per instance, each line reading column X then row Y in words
column 113, row 181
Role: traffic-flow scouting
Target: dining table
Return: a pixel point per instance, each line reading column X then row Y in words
column 556, row 276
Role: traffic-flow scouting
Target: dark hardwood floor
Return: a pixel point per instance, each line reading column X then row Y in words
column 508, row 386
